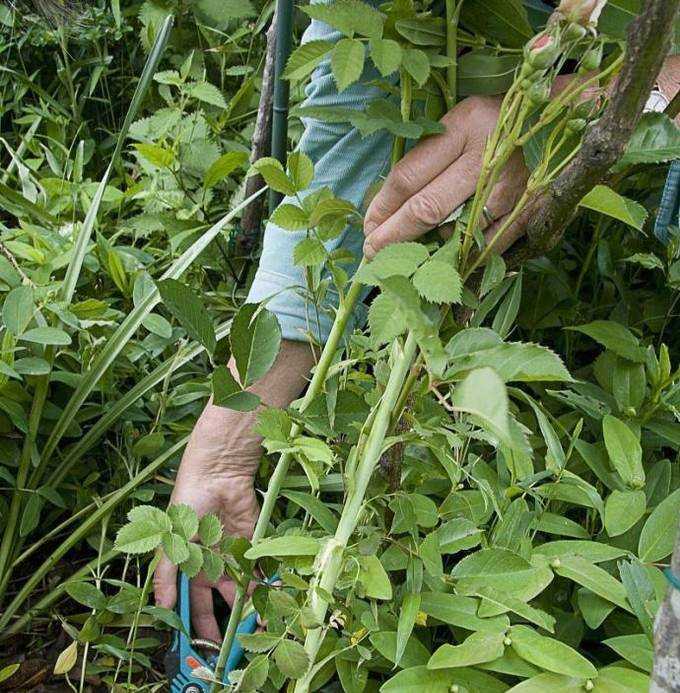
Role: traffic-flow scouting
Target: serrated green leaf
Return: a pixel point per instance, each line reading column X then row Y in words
column 438, row 282
column 223, row 167
column 385, row 319
column 386, row 55
column 309, row 251
column 209, row 530
column 347, row 62
column 417, row 64
column 290, row 217
column 305, row 58
column 349, row 17
column 184, row 520
column 274, row 175
column 291, row 659
column 398, row 259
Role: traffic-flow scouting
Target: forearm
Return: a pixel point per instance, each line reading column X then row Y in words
column 228, row 435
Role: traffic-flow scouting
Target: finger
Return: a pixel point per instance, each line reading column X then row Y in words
column 428, row 207
column 203, row 618
column 165, row 583
column 421, row 165
column 227, row 588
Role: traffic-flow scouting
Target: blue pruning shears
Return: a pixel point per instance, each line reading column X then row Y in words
column 182, row 662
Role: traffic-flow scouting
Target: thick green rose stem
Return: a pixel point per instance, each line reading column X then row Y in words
column 345, row 309
column 331, row 557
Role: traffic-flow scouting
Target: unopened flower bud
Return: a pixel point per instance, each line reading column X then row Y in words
column 507, row 641
column 583, row 12
column 577, row 124
column 539, row 92
column 592, row 59
column 454, row 688
column 555, row 563
column 543, row 51
column 574, row 32
column 589, row 685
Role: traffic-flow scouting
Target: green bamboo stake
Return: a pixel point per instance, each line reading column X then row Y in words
column 330, row 560
column 315, row 387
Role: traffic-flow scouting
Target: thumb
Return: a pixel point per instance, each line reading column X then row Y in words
column 165, row 583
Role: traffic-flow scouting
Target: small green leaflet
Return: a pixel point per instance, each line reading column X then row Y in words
column 274, row 175
column 549, row 654
column 305, row 58
column 291, row 659
column 229, row 394
column 386, row 54
column 438, row 282
column 417, row 64
column 347, row 62
column 606, row 201
column 17, row 310
column 624, row 450
column 223, row 167
column 255, row 338
column 290, row 545
column 186, row 305
column 309, row 251
column 483, row 394
column 612, row 335
column 290, row 217
column 349, row 17
column 398, row 259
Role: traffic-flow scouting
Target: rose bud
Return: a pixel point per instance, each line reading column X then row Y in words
column 592, row 59
column 542, row 51
column 539, row 92
column 582, row 12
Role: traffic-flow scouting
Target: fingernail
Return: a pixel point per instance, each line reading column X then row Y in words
column 369, row 252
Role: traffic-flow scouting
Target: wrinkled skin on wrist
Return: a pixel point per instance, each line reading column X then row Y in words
column 216, row 476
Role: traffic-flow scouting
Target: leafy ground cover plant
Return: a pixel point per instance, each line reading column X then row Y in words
column 454, row 504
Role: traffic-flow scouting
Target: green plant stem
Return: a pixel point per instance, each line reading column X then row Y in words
column 82, row 531
column 452, row 17
column 330, row 560
column 406, row 86
column 345, row 310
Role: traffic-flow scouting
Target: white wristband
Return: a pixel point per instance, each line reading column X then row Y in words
column 656, row 102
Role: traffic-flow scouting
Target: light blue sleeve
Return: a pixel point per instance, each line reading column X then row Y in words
column 345, row 162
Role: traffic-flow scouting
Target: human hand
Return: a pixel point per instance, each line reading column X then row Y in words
column 441, row 173
column 215, row 476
